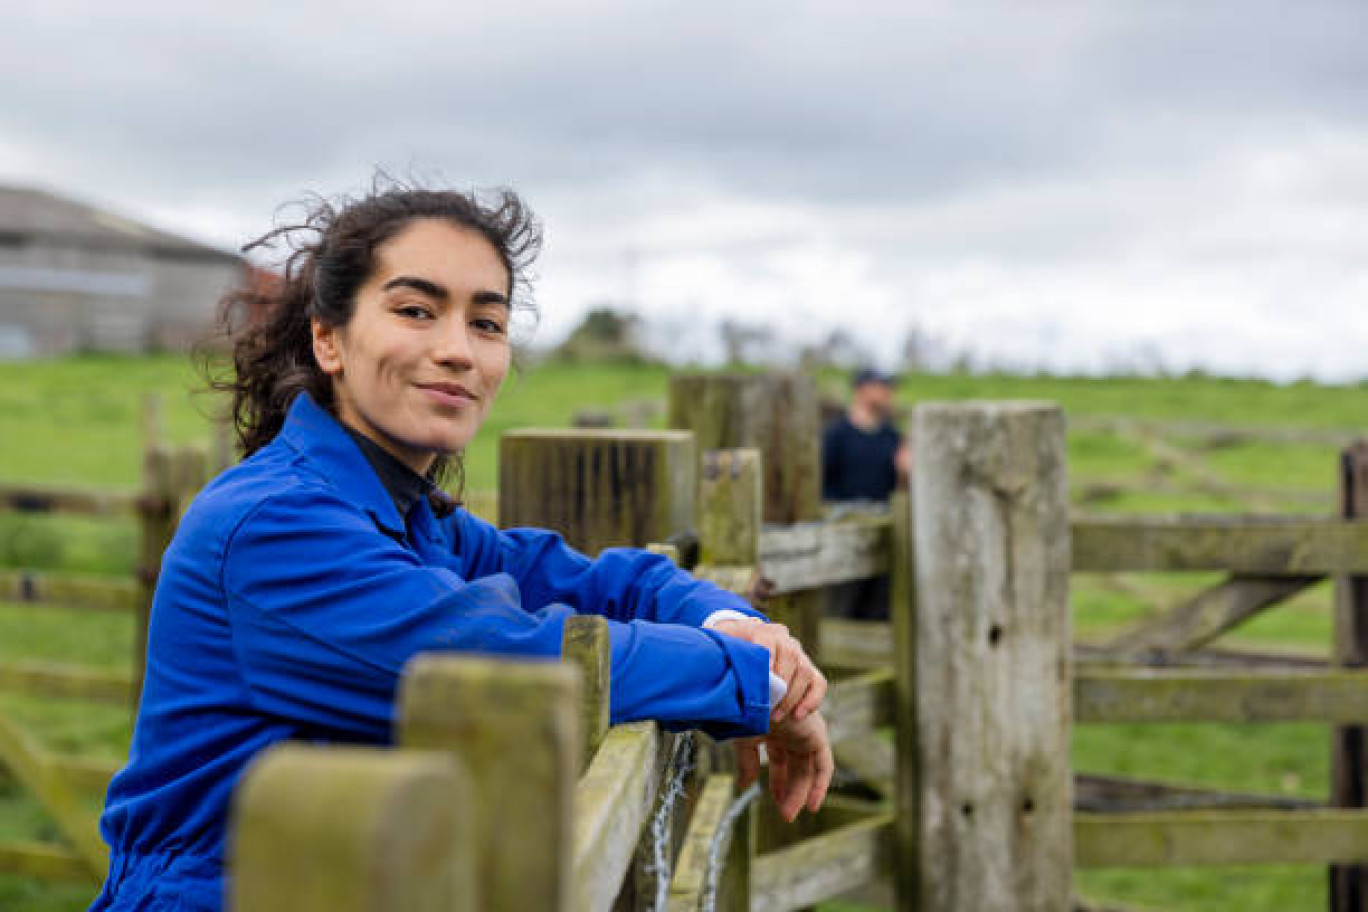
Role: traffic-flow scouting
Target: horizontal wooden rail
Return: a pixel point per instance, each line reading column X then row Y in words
column 1230, row 837
column 612, row 801
column 92, row 592
column 855, row 644
column 1265, row 546
column 29, row 498
column 859, row 706
column 815, row 554
column 66, row 681
column 1122, row 794
column 1164, row 696
column 43, row 861
column 824, row 866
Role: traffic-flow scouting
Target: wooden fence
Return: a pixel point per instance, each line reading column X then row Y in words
column 62, row 783
column 976, row 676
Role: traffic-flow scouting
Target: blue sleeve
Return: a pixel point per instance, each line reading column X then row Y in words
column 662, row 669
column 621, row 584
column 325, row 611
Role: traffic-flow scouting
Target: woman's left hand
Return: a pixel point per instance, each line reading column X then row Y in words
column 806, row 685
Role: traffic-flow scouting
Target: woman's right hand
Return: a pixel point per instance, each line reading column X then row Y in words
column 800, row 763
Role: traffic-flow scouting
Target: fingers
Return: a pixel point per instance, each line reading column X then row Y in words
column 778, row 772
column 813, row 697
column 798, row 783
column 747, row 761
column 824, row 769
column 807, row 688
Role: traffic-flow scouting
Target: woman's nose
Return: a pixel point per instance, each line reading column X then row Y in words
column 453, row 345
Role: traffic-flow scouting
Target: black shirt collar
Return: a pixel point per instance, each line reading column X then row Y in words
column 404, row 485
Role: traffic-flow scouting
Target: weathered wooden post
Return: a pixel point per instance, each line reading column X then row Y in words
column 352, row 830
column 983, row 790
column 1349, row 762
column 587, row 645
column 778, row 415
column 156, row 524
column 599, row 489
column 515, row 728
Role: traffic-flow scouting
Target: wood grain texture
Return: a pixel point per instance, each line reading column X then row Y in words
column 514, row 727
column 348, row 829
column 984, row 698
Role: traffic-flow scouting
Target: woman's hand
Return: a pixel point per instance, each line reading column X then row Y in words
column 806, row 685
column 799, row 760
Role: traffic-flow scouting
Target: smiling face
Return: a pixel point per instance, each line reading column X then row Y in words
column 422, row 358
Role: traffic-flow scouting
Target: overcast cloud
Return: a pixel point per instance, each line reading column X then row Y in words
column 1072, row 185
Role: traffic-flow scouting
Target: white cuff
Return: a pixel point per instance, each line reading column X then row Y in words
column 777, row 689
column 727, row 614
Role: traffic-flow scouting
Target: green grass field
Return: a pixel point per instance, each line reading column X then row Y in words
column 76, row 421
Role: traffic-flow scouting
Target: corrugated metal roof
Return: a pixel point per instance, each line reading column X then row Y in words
column 30, row 213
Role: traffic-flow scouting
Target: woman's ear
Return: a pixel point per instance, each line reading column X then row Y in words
column 325, row 347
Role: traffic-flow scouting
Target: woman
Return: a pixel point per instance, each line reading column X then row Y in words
column 301, row 580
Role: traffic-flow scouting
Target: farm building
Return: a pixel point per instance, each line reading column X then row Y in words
column 77, row 278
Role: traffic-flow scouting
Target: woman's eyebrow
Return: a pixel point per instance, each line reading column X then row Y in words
column 491, row 297
column 429, row 288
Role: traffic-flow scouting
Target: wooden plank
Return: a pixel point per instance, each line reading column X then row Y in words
column 1268, row 546
column 1151, row 695
column 816, row 554
column 81, row 592
column 1087, row 655
column 1349, row 745
column 1213, row 612
column 514, row 726
column 871, row 759
column 65, row 681
column 856, row 644
column 43, row 861
column 730, row 504
column 690, row 873
column 83, row 773
column 585, row 643
column 859, row 706
column 984, row 785
column 156, row 528
column 1121, row 794
column 1232, row 837
column 31, row 498
column 33, row 771
column 352, row 829
column 611, row 805
column 599, row 489
column 822, row 867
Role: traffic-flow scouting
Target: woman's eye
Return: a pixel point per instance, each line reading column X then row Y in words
column 486, row 325
column 415, row 311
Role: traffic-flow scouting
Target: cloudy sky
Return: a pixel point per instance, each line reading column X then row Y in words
column 1067, row 185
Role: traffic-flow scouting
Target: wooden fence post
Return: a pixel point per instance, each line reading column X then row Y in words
column 599, row 489
column 157, row 522
column 984, row 792
column 778, row 415
column 352, row 830
column 515, row 728
column 1349, row 765
column 587, row 645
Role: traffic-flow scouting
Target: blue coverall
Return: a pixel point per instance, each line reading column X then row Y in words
column 293, row 594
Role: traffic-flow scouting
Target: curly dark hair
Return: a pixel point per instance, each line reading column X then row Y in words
column 332, row 252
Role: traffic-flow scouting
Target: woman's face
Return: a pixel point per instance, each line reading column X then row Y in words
column 418, row 366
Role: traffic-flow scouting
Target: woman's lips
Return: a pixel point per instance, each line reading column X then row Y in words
column 450, row 396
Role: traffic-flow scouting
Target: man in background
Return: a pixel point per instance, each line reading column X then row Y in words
column 864, row 458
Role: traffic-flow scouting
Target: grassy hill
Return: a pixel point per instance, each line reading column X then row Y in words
column 1135, row 445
